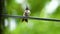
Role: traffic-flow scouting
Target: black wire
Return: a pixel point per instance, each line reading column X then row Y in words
column 47, row 19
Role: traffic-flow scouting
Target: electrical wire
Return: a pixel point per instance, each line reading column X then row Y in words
column 35, row 18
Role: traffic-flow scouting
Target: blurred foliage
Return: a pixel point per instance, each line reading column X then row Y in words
column 33, row 26
column 56, row 13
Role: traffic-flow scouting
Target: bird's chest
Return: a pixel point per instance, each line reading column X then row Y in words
column 26, row 14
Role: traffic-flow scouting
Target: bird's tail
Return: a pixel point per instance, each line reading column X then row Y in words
column 26, row 20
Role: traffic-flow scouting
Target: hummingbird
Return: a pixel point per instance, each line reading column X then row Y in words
column 26, row 14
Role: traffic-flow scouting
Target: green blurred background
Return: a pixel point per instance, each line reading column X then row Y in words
column 38, row 8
